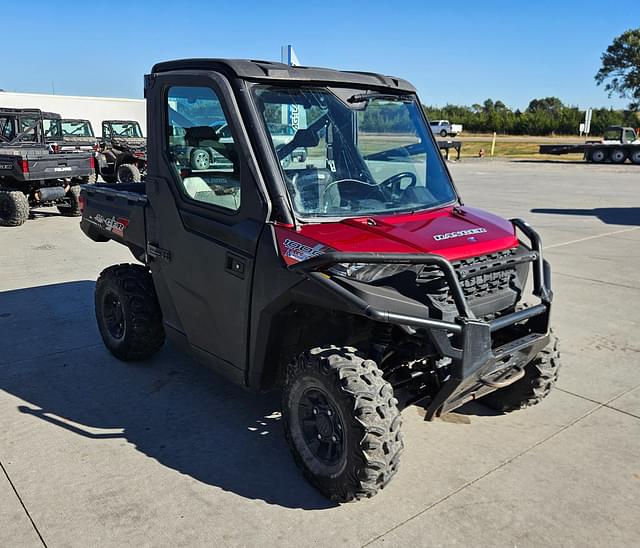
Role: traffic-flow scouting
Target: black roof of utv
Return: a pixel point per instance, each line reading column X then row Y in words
column 269, row 71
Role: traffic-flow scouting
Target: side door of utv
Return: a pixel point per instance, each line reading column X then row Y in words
column 204, row 221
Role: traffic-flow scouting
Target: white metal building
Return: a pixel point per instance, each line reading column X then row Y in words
column 94, row 109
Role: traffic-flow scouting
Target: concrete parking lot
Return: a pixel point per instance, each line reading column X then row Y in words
column 95, row 452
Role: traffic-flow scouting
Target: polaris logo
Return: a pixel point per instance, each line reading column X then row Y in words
column 459, row 233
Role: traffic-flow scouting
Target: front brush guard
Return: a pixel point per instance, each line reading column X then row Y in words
column 477, row 368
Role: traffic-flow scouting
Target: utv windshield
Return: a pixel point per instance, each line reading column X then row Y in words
column 349, row 153
column 77, row 128
column 126, row 130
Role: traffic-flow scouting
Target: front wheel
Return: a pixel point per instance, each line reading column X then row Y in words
column 128, row 313
column 541, row 375
column 341, row 422
column 443, row 133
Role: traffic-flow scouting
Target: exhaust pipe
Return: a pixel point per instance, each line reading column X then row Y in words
column 50, row 194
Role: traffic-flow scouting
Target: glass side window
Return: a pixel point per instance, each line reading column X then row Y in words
column 630, row 135
column 201, row 147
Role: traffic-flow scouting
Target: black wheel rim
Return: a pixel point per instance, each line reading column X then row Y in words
column 321, row 426
column 113, row 315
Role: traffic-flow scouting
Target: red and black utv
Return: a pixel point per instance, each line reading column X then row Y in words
column 356, row 281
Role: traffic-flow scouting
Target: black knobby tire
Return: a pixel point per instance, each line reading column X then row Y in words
column 129, row 173
column 14, row 208
column 541, row 375
column 128, row 313
column 72, row 207
column 365, row 422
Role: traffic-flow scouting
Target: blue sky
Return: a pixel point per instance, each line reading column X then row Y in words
column 457, row 52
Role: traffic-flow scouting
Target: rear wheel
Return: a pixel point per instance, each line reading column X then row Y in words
column 341, row 422
column 618, row 156
column 635, row 157
column 14, row 208
column 200, row 159
column 541, row 375
column 72, row 207
column 128, row 313
column 129, row 173
column 598, row 155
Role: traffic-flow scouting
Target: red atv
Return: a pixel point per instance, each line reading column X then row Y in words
column 355, row 281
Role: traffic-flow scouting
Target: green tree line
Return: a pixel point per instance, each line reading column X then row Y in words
column 545, row 116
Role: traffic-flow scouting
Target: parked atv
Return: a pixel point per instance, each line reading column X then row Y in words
column 357, row 283
column 64, row 135
column 123, row 152
column 32, row 177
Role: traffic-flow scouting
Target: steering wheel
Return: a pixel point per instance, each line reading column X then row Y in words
column 324, row 203
column 393, row 182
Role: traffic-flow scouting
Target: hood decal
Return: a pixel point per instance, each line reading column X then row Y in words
column 459, row 233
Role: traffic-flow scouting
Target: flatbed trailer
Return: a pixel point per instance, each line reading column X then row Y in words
column 618, row 145
column 446, row 146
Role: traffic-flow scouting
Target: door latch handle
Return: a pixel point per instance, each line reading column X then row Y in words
column 235, row 265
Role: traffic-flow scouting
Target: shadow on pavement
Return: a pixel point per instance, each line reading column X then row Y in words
column 171, row 409
column 629, row 216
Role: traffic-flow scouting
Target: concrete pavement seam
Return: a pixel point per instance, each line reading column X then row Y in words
column 35, row 527
column 593, row 237
column 607, row 405
column 498, row 467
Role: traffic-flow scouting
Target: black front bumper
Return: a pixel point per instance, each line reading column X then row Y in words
column 477, row 365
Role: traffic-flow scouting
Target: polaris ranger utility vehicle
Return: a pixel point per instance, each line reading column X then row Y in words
column 123, row 152
column 69, row 135
column 357, row 282
column 30, row 176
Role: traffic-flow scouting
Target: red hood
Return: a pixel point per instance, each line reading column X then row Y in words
column 453, row 234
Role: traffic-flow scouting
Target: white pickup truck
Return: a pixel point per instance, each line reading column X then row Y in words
column 444, row 128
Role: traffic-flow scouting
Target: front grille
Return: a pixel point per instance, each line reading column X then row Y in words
column 482, row 278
